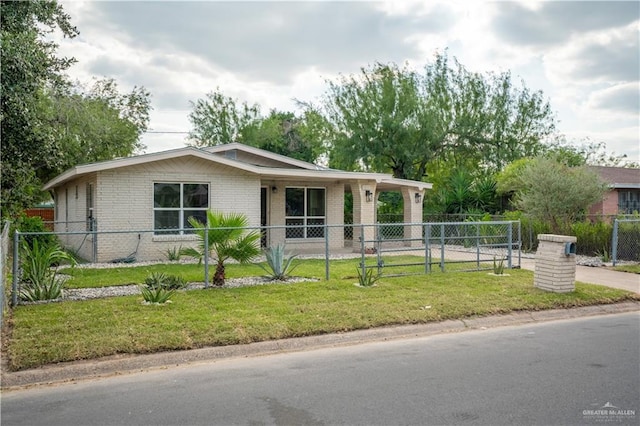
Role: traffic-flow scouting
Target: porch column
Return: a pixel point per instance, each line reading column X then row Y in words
column 413, row 200
column 364, row 212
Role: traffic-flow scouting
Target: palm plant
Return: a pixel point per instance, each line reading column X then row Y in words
column 226, row 239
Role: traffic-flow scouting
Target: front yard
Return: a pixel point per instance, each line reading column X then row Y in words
column 73, row 330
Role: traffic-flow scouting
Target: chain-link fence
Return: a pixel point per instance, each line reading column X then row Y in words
column 4, row 267
column 625, row 243
column 403, row 248
column 450, row 243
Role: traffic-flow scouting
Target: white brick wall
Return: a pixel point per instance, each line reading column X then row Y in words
column 554, row 271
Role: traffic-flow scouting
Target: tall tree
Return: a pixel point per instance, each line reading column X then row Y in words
column 29, row 67
column 97, row 124
column 220, row 119
column 49, row 124
column 393, row 119
column 377, row 119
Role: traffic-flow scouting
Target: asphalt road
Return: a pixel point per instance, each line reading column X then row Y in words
column 579, row 371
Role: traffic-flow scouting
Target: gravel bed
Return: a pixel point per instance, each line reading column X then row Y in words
column 128, row 290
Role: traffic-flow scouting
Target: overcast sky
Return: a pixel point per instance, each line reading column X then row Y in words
column 583, row 55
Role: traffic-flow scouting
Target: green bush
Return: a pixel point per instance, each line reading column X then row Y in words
column 34, row 224
column 594, row 238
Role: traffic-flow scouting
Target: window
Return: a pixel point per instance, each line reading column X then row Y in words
column 305, row 209
column 175, row 203
column 628, row 201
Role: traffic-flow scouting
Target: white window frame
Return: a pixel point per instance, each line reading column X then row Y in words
column 306, row 217
column 180, row 210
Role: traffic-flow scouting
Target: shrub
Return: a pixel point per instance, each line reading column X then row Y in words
column 278, row 264
column 594, row 238
column 34, row 224
column 40, row 280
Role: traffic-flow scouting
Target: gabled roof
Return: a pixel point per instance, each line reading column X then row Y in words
column 305, row 173
column 618, row 177
column 284, row 160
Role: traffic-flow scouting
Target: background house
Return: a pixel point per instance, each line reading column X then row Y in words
column 623, row 196
column 158, row 192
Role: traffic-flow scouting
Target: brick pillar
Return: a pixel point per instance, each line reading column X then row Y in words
column 364, row 212
column 555, row 270
column 412, row 214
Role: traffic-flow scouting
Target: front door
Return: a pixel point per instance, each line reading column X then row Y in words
column 263, row 216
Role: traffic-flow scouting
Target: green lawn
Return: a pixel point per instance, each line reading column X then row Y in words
column 49, row 333
column 634, row 269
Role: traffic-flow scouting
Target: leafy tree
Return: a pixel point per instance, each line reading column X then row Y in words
column 555, row 193
column 96, row 124
column 284, row 133
column 220, row 119
column 587, row 152
column 49, row 124
column 388, row 118
column 29, row 65
column 227, row 239
column 377, row 119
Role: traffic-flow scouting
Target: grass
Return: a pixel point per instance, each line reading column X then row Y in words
column 67, row 331
column 634, row 269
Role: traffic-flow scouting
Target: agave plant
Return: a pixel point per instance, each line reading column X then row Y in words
column 278, row 264
column 368, row 278
column 227, row 239
column 40, row 264
column 156, row 295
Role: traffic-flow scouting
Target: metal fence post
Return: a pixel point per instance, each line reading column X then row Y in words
column 478, row 246
column 94, row 228
column 427, row 249
column 442, row 247
column 326, row 252
column 362, row 250
column 510, row 245
column 16, row 272
column 614, row 243
column 206, row 256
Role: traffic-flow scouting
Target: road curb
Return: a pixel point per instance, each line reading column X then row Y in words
column 128, row 364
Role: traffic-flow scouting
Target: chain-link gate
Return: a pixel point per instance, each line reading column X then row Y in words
column 409, row 248
column 625, row 244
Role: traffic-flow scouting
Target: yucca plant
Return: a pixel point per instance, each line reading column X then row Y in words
column 278, row 264
column 162, row 280
column 174, row 254
column 40, row 264
column 367, row 278
column 158, row 287
column 227, row 239
column 156, row 295
column 498, row 266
